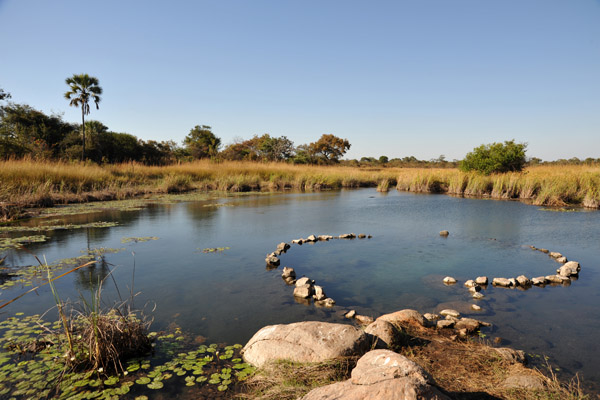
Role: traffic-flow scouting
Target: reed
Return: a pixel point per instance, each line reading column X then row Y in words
column 30, row 183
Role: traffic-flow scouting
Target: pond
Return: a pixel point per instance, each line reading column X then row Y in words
column 225, row 296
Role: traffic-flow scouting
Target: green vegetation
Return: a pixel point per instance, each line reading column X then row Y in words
column 82, row 89
column 138, row 239
column 215, row 249
column 495, row 158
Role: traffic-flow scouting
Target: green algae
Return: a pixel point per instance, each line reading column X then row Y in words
column 138, row 239
column 215, row 249
column 15, row 243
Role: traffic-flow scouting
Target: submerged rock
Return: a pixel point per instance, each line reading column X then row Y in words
column 475, row 307
column 326, row 302
column 309, row 341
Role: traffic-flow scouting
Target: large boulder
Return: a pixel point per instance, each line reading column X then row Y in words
column 570, row 268
column 382, row 375
column 503, row 282
column 385, row 335
column 309, row 341
column 404, row 317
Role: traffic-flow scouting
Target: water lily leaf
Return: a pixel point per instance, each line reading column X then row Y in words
column 143, row 380
column 155, row 385
column 111, row 381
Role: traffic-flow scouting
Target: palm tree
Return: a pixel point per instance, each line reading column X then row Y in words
column 83, row 88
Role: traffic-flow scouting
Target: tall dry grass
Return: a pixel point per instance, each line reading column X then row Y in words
column 26, row 183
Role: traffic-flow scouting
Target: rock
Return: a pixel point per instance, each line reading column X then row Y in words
column 450, row 313
column 403, row 317
column 303, row 291
column 309, row 341
column 519, row 381
column 562, row 259
column 319, row 293
column 556, row 278
column 501, row 282
column 475, row 307
column 555, row 254
column 513, row 282
column 369, row 236
column 569, row 269
column 385, row 334
column 324, row 237
column 283, row 246
column 449, row 280
column 362, row 236
column 523, row 280
column 326, row 302
column 478, row 296
column 513, row 356
column 277, row 252
column 350, row 314
column 347, row 236
column 475, row 289
column 540, row 280
column 431, row 317
column 298, row 241
column 545, row 251
column 311, row 238
column 363, row 319
column 288, row 273
column 470, row 283
column 382, row 375
column 445, row 323
column 304, row 281
column 444, row 233
column 470, row 325
column 272, row 259
column 481, row 280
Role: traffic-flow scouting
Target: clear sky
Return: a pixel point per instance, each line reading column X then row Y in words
column 396, row 78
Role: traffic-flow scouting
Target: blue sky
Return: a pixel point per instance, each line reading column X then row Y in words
column 396, row 78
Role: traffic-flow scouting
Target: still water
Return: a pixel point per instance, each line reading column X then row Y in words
column 227, row 296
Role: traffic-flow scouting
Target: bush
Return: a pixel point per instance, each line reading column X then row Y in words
column 496, row 157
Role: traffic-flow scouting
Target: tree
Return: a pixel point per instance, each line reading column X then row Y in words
column 83, row 88
column 496, row 157
column 201, row 142
column 329, row 148
column 384, row 159
column 4, row 95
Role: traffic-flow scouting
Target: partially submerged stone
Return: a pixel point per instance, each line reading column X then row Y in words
column 319, row 293
column 303, row 291
column 311, row 238
column 298, row 241
column 470, row 283
column 363, row 319
column 272, row 259
column 555, row 254
column 324, row 237
column 350, row 314
column 569, row 269
column 475, row 289
column 362, row 236
column 445, row 323
column 283, row 246
column 540, row 280
column 304, row 281
column 309, row 341
column 347, row 236
column 326, row 302
column 562, row 259
column 556, row 278
column 382, row 375
column 288, row 273
column 481, row 280
column 450, row 313
column 503, row 282
column 522, row 280
column 449, row 280
column 477, row 295
column 444, row 233
column 475, row 307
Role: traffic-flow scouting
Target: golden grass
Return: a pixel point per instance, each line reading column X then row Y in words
column 26, row 183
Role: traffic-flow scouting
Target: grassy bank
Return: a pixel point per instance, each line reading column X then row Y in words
column 27, row 183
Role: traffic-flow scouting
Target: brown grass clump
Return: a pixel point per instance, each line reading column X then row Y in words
column 103, row 340
column 286, row 380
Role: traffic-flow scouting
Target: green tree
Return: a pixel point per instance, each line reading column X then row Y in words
column 82, row 89
column 201, row 142
column 384, row 159
column 4, row 95
column 496, row 157
column 329, row 148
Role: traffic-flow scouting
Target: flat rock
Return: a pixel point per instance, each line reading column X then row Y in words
column 382, row 375
column 399, row 318
column 309, row 341
column 556, row 278
column 519, row 381
column 469, row 324
column 324, row 237
column 481, row 280
column 475, row 307
column 450, row 313
column 501, row 282
column 363, row 319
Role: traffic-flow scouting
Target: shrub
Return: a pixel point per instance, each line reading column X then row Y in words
column 496, row 157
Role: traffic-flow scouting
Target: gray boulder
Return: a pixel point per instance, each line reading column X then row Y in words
column 309, row 341
column 385, row 334
column 382, row 375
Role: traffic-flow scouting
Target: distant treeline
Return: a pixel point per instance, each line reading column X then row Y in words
column 27, row 132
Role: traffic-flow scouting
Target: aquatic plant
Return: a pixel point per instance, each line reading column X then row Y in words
column 15, row 243
column 39, row 228
column 214, row 249
column 138, row 239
